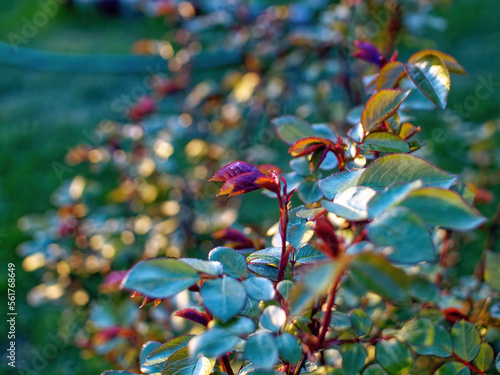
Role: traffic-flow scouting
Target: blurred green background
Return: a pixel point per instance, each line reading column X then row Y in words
column 42, row 114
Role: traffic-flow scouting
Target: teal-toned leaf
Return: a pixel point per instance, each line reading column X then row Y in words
column 337, row 183
column 381, row 106
column 272, row 318
column 289, row 348
column 394, row 357
column 120, row 372
column 441, row 346
column 402, row 168
column 284, row 287
column 484, row 359
column 356, row 133
column 213, row 343
column 250, row 369
column 374, row 370
column 453, row 368
column 361, row 322
column 301, row 166
column 492, row 265
column 238, row 326
column 417, row 333
column 204, row 266
column 324, row 131
column 260, row 288
column 160, row 277
column 353, row 358
column 406, row 233
column 299, row 234
column 290, row 129
column 391, row 196
column 351, row 204
column 389, row 75
column 161, row 354
column 146, row 350
column 423, row 289
column 466, row 340
column 224, row 297
column 314, row 282
column 497, row 362
column 354, row 115
column 181, row 363
column 262, row 350
column 234, row 263
column 445, row 208
column 375, row 273
column 431, row 77
column 309, row 254
column 384, row 142
column 309, row 191
column 340, row 321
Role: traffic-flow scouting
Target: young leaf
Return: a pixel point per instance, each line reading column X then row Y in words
column 394, row 357
column 260, row 288
column 431, row 77
column 406, row 233
column 309, row 145
column 361, row 322
column 453, row 368
column 273, row 318
column 445, row 208
column 353, row 358
column 289, row 347
column 384, row 142
column 261, row 349
column 375, row 273
column 381, row 106
column 234, row 263
column 484, row 359
column 492, row 265
column 389, row 75
column 368, row 52
column 162, row 353
column 160, row 277
column 234, row 169
column 466, row 340
column 450, row 62
column 337, row 183
column 291, row 128
column 181, row 363
column 224, row 297
column 400, row 168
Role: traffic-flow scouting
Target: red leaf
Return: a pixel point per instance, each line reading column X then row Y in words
column 368, row 52
column 143, row 107
column 308, row 145
column 266, row 168
column 240, row 184
column 193, row 315
column 112, row 281
column 329, row 243
column 236, row 239
column 232, row 170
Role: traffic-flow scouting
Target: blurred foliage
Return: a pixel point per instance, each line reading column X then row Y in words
column 136, row 184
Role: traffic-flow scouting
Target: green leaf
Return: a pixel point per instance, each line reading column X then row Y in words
column 445, row 208
column 381, row 106
column 339, row 182
column 361, row 322
column 466, row 340
column 340, row 321
column 314, row 282
column 374, row 370
column 497, row 362
column 441, row 346
column 273, row 318
column 406, row 233
column 234, row 263
column 391, row 196
column 394, row 357
column 146, row 350
column 450, row 62
column 204, row 266
column 453, row 368
column 260, row 288
column 492, row 265
column 353, row 358
column 351, row 204
column 431, row 77
column 423, row 289
column 213, row 343
column 261, row 349
column 224, row 297
column 402, row 168
column 389, row 75
column 289, row 348
column 181, row 363
column 375, row 273
column 121, row 372
column 300, row 233
column 160, row 277
column 162, row 353
column 238, row 326
column 290, row 129
column 309, row 191
column 309, row 254
column 417, row 332
column 384, row 142
column 356, row 133
column 284, row 287
column 484, row 359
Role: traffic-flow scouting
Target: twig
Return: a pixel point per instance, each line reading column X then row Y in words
column 226, row 366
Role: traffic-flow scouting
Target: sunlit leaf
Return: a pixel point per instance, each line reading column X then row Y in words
column 272, row 318
column 163, row 352
column 381, row 106
column 224, row 297
column 484, row 359
column 289, row 347
column 337, row 183
column 450, row 62
column 361, row 322
column 260, row 288
column 389, row 74
column 234, row 263
column 384, row 142
column 181, row 363
column 492, row 265
column 351, row 204
column 453, row 368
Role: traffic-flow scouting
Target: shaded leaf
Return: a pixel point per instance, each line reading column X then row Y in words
column 291, row 128
column 389, row 74
column 262, row 350
column 234, row 169
column 391, row 196
column 466, row 340
column 289, row 348
column 224, row 297
column 353, row 358
column 213, row 343
column 374, row 370
column 351, row 204
column 384, row 142
column 453, row 368
column 394, row 357
column 337, row 183
column 361, row 322
column 484, row 359
column 181, row 363
column 492, row 265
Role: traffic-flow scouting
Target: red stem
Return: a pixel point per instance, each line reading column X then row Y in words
column 226, row 366
column 468, row 364
column 283, row 203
